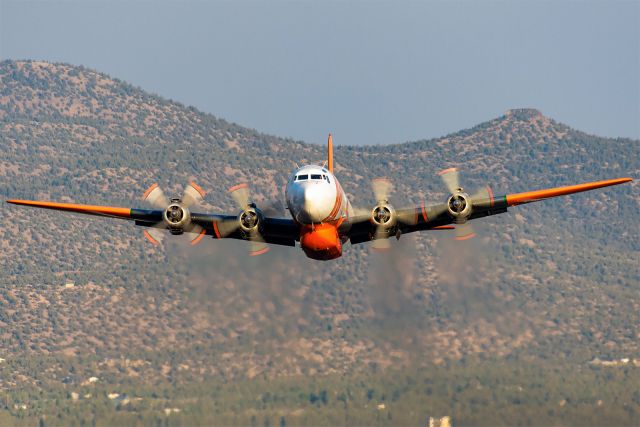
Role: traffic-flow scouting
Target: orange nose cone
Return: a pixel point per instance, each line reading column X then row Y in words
column 321, row 242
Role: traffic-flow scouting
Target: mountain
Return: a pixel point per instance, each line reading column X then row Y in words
column 546, row 285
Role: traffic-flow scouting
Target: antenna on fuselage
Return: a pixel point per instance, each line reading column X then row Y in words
column 330, row 154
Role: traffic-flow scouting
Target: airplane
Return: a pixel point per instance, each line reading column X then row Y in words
column 322, row 217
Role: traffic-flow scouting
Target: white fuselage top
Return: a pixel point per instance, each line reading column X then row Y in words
column 314, row 196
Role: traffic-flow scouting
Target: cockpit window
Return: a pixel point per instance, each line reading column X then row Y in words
column 302, row 177
column 316, row 176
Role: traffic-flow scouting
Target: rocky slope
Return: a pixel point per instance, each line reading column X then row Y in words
column 558, row 279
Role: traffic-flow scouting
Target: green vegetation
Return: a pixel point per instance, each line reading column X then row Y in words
column 489, row 392
column 437, row 328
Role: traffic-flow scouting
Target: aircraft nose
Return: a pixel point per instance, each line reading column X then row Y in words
column 311, row 203
column 309, row 194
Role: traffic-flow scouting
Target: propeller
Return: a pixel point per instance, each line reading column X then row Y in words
column 384, row 215
column 248, row 220
column 176, row 215
column 460, row 204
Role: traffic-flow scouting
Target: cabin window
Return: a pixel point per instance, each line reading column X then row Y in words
column 302, row 177
column 316, row 176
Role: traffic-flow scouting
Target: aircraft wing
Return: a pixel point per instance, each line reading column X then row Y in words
column 437, row 216
column 279, row 231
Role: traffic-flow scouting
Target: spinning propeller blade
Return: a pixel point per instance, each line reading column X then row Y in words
column 192, row 195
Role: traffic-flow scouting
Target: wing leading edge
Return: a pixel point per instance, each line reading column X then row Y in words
column 437, row 217
column 279, row 231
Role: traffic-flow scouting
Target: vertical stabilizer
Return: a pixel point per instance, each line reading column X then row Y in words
column 330, row 154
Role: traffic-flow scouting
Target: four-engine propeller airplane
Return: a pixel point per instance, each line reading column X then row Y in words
column 322, row 216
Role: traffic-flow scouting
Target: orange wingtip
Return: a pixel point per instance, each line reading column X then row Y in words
column 444, row 227
column 72, row 207
column 260, row 252
column 149, row 190
column 198, row 189
column 442, row 172
column 197, row 239
column 532, row 196
column 237, row 187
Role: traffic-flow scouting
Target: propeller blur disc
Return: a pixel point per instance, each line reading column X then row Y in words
column 155, row 197
column 240, row 194
column 192, row 195
column 451, row 179
column 381, row 189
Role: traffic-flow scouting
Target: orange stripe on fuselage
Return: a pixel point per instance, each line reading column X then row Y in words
column 336, row 205
column 72, row 207
column 532, row 196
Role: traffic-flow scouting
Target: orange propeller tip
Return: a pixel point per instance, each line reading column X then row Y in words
column 260, row 252
column 237, row 187
column 442, row 172
column 150, row 238
column 149, row 190
column 467, row 237
column 199, row 238
column 198, row 189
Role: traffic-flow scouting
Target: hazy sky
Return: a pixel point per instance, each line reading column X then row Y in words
column 370, row 72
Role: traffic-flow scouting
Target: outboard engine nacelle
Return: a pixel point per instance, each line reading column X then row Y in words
column 459, row 206
column 384, row 216
column 176, row 216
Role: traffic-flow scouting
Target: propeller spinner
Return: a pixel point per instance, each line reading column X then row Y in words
column 460, row 204
column 248, row 220
column 176, row 215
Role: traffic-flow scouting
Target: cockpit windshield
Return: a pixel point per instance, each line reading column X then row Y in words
column 314, row 176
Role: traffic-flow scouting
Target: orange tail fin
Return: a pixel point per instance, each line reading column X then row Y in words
column 330, row 154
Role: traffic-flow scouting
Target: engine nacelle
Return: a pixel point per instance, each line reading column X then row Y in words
column 459, row 206
column 177, row 217
column 384, row 215
column 249, row 220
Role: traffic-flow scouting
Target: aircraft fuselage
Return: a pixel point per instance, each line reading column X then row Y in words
column 319, row 206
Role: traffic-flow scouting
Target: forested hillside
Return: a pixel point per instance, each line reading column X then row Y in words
column 550, row 284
